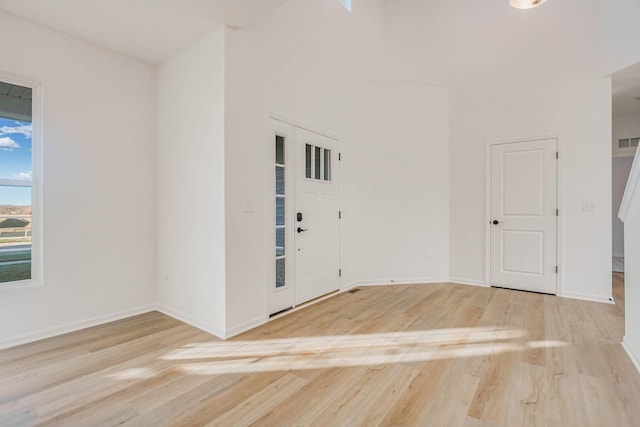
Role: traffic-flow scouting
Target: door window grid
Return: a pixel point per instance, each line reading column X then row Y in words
column 317, row 163
column 280, row 222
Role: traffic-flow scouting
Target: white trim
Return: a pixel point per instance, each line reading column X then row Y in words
column 526, row 139
column 15, row 183
column 244, row 327
column 37, row 208
column 276, row 127
column 296, row 123
column 633, row 187
column 189, row 320
column 487, row 210
column 290, row 179
column 73, row 327
column 306, row 304
column 588, row 297
column 470, row 282
column 635, row 359
column 391, row 282
column 559, row 199
column 560, row 219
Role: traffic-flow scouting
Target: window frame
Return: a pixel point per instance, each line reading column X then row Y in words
column 35, row 183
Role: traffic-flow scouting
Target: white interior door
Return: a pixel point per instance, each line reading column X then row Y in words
column 524, row 187
column 317, row 205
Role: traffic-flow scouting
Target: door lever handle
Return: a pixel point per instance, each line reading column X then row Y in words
column 496, row 222
column 300, row 230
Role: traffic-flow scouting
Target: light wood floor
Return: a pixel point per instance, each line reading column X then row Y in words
column 430, row 355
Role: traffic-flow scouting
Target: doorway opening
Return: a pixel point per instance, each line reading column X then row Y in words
column 625, row 123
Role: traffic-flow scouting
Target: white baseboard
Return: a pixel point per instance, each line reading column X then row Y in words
column 244, row 327
column 72, row 327
column 588, row 297
column 634, row 357
column 470, row 282
column 176, row 314
column 391, row 282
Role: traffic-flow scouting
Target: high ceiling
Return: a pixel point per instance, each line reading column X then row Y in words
column 156, row 30
column 150, row 30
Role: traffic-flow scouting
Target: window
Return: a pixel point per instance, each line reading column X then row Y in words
column 346, row 4
column 280, row 212
column 318, row 163
column 19, row 160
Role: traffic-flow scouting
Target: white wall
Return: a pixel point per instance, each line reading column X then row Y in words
column 632, row 285
column 312, row 61
column 190, row 174
column 396, row 187
column 407, row 193
column 620, row 45
column 575, row 112
column 550, row 94
column 99, row 186
column 512, row 80
column 630, row 214
column 621, row 166
column 624, row 126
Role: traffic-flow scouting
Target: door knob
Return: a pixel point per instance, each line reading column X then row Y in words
column 300, row 230
column 496, row 222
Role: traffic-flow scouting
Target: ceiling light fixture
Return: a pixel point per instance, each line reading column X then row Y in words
column 525, row 4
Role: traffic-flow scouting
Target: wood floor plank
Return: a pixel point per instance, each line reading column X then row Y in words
column 439, row 354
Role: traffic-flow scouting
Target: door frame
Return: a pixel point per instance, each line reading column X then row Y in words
column 559, row 204
column 270, row 207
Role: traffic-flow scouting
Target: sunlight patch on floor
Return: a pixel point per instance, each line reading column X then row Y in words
column 341, row 351
column 306, row 345
column 134, row 373
column 352, row 358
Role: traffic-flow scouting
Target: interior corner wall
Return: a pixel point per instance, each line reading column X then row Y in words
column 553, row 88
column 396, row 186
column 632, row 278
column 98, row 184
column 315, row 63
column 190, row 176
column 577, row 112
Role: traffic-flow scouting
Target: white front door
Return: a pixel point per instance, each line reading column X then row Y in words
column 523, row 221
column 317, row 205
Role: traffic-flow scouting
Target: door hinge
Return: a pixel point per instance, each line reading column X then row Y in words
column 339, row 214
column 339, row 157
column 556, row 269
column 557, row 154
column 557, row 212
column 340, row 273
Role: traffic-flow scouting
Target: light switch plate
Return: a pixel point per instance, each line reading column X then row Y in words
column 589, row 207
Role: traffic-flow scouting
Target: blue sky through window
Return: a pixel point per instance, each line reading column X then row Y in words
column 15, row 160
